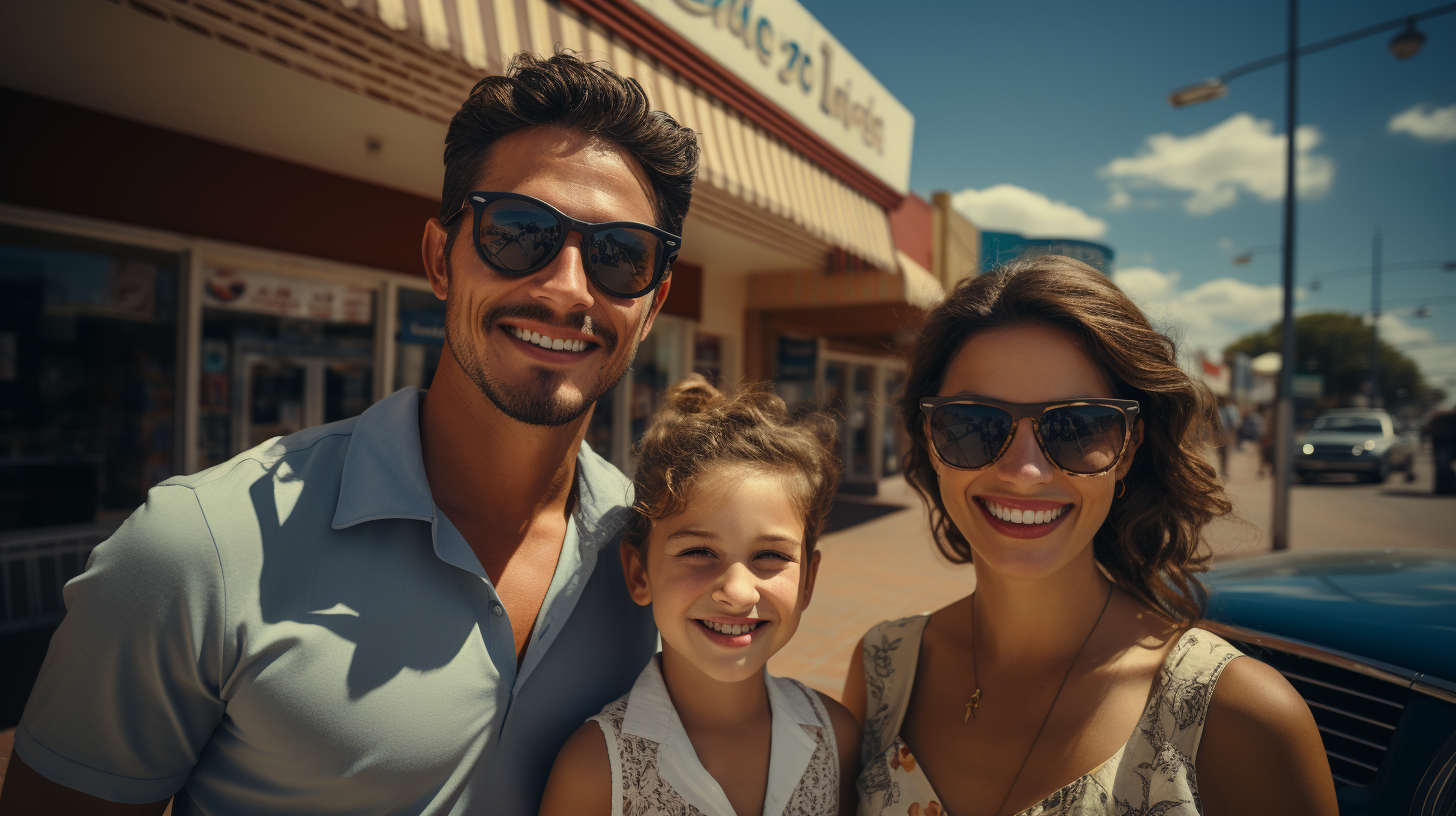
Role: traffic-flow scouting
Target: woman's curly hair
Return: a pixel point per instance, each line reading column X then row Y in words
column 1150, row 542
column 699, row 427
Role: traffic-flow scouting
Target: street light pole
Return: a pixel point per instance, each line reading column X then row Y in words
column 1284, row 397
column 1376, row 398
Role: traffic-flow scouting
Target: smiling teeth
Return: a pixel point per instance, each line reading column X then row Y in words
column 730, row 628
column 545, row 342
column 1024, row 516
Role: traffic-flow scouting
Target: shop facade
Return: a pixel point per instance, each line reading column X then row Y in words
column 210, row 220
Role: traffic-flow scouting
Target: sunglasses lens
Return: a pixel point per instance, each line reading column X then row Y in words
column 967, row 435
column 1084, row 438
column 624, row 260
column 518, row 236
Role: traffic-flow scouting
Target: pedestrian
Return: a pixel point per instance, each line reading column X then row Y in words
column 1054, row 441
column 1226, row 432
column 1266, row 440
column 731, row 497
column 411, row 610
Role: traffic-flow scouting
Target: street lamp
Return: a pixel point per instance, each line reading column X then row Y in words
column 1403, row 46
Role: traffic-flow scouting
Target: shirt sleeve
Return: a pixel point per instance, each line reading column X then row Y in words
column 130, row 689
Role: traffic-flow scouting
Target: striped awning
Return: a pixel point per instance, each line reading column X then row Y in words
column 765, row 179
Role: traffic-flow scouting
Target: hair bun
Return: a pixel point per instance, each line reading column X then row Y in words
column 692, row 395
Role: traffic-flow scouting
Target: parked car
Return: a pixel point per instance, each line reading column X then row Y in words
column 1368, row 638
column 1369, row 444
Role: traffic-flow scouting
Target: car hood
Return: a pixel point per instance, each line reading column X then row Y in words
column 1395, row 606
column 1338, row 438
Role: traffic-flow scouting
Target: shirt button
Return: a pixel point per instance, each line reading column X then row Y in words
column 497, row 609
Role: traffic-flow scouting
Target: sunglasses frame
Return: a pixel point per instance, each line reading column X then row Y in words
column 480, row 199
column 1031, row 410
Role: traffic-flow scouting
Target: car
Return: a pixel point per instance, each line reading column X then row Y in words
column 1370, row 444
column 1368, row 638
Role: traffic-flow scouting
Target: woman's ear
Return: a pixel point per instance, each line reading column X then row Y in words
column 1125, row 463
column 635, row 573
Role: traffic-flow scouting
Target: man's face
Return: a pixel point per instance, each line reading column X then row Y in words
column 495, row 323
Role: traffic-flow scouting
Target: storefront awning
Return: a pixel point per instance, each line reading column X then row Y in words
column 765, row 178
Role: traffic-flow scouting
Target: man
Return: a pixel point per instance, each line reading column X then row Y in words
column 409, row 611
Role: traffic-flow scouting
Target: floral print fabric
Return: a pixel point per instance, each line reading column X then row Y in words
column 1151, row 775
column 643, row 791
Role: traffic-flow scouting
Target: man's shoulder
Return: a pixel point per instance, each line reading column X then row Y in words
column 324, row 444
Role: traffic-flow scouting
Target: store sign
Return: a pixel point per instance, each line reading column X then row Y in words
column 247, row 290
column 797, row 357
column 784, row 53
column 1307, row 386
column 422, row 328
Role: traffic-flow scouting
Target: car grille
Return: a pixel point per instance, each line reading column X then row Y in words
column 1356, row 714
column 1333, row 452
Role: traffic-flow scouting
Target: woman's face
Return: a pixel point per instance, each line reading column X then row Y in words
column 1027, row 363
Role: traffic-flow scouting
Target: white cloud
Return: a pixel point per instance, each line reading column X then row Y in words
column 1426, row 123
column 1208, row 316
column 1008, row 208
column 1239, row 155
column 1397, row 332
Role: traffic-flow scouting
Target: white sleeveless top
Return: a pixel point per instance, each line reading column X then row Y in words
column 1152, row 773
column 655, row 769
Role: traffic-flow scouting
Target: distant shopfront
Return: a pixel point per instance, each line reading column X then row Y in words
column 186, row 271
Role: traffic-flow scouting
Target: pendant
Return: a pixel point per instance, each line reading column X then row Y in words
column 971, row 707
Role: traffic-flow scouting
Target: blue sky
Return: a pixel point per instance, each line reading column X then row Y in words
column 1051, row 117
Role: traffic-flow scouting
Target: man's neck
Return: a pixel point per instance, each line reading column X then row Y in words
column 487, row 470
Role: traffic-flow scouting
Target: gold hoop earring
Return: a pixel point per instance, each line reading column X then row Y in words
column 1121, row 490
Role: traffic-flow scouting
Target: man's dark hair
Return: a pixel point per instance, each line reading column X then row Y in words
column 562, row 91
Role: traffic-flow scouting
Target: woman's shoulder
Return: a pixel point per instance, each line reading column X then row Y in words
column 1260, row 738
column 890, row 630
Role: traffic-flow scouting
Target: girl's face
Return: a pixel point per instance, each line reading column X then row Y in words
column 1027, row 363
column 727, row 577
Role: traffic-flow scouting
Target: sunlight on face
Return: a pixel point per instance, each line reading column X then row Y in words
column 727, row 578
column 1027, row 363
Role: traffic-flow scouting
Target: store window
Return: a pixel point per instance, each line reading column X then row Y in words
column 420, row 338
column 279, row 354
column 88, row 351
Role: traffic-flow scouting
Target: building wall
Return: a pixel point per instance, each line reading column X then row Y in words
column 957, row 243
column 60, row 157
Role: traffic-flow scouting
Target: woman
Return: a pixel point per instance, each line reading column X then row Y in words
column 1055, row 441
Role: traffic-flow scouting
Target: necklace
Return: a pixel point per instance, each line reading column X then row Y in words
column 976, row 696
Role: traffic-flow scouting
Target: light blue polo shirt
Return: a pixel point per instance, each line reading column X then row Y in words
column 300, row 630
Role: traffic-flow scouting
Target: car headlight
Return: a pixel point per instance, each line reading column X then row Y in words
column 1307, row 449
column 1370, row 444
column 1357, row 450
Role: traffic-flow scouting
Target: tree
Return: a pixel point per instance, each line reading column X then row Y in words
column 1337, row 345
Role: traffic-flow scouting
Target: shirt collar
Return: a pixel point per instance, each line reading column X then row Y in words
column 384, row 475
column 651, row 716
column 384, row 469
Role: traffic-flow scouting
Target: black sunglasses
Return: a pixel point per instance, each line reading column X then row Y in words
column 1083, row 437
column 517, row 235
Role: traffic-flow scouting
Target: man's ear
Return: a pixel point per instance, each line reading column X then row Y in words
column 657, row 299
column 635, row 573
column 432, row 252
column 813, row 575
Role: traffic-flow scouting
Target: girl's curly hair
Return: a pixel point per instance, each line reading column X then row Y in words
column 1149, row 542
column 698, row 427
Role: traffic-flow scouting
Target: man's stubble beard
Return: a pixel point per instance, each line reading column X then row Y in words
column 536, row 402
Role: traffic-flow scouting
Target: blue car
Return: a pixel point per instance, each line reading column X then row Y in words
column 1368, row 637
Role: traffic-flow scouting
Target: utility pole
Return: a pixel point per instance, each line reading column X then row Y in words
column 1284, row 397
column 1376, row 398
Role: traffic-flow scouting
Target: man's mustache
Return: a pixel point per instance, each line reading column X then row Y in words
column 576, row 321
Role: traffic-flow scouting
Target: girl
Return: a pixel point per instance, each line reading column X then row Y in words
column 1055, row 439
column 731, row 496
